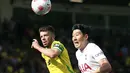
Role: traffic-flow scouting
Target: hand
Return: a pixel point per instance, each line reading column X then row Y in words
column 35, row 44
column 96, row 71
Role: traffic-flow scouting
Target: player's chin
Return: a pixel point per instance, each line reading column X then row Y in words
column 76, row 46
column 45, row 45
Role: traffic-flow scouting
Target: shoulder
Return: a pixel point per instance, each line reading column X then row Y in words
column 54, row 42
column 93, row 47
column 58, row 45
column 77, row 53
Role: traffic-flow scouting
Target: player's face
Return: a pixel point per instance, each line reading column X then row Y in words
column 79, row 39
column 46, row 38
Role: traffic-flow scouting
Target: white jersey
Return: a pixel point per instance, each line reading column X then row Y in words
column 88, row 59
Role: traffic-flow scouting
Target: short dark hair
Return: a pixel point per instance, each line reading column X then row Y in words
column 47, row 28
column 83, row 28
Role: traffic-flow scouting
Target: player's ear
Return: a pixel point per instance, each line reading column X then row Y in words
column 86, row 36
column 53, row 36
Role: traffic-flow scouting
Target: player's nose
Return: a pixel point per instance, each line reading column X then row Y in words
column 74, row 39
column 43, row 38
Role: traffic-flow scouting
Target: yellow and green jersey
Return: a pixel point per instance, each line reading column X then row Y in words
column 61, row 63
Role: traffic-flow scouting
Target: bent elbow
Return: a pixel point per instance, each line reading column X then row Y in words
column 106, row 68
column 52, row 56
column 110, row 68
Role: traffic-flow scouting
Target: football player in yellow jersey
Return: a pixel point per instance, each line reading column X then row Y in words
column 55, row 54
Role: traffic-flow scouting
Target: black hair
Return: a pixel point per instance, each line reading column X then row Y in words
column 83, row 28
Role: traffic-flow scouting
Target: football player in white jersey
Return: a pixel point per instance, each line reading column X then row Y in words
column 91, row 58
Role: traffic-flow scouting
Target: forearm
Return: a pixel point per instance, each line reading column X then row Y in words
column 47, row 52
column 105, row 68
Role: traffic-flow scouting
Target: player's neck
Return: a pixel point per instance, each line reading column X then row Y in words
column 84, row 45
column 51, row 43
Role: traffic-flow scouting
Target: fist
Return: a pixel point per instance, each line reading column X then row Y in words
column 35, row 44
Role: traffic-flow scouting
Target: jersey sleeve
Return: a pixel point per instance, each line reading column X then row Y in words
column 97, row 53
column 58, row 46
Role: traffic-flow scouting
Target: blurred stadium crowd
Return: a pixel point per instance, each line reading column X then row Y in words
column 16, row 56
